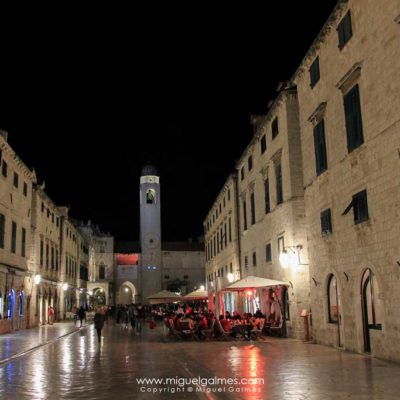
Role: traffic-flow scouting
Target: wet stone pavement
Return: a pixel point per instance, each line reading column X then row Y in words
column 78, row 367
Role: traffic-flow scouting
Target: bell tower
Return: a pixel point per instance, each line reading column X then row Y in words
column 150, row 232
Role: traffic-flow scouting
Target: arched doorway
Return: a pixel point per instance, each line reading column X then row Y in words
column 21, row 307
column 371, row 307
column 97, row 298
column 126, row 293
column 11, row 304
column 335, row 308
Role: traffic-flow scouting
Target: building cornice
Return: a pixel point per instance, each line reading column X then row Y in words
column 332, row 19
column 7, row 149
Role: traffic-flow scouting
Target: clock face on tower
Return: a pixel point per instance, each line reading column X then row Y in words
column 151, row 240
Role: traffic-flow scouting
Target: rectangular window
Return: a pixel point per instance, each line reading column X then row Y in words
column 254, row 259
column 14, row 237
column 25, row 189
column 246, row 262
column 4, row 169
column 326, row 222
column 360, row 207
column 268, row 253
column 242, row 173
column 226, row 235
column 47, row 256
column 215, row 246
column 250, row 163
column 253, row 209
column 52, row 258
column 314, row 72
column 23, row 243
column 230, row 229
column 321, row 163
column 41, row 252
column 230, row 268
column 221, row 233
column 244, row 216
column 16, row 179
column 218, row 242
column 48, row 213
column 57, row 260
column 263, row 144
column 42, row 207
column 344, row 30
column 266, row 194
column 359, row 204
column 275, row 128
column 224, row 202
column 352, row 110
column 2, row 230
column 229, row 195
column 279, row 189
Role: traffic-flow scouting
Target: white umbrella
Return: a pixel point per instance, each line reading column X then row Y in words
column 253, row 282
column 196, row 295
column 164, row 296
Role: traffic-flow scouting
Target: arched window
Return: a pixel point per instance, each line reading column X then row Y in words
column 371, row 301
column 150, row 196
column 332, row 300
column 11, row 302
column 102, row 271
column 21, row 303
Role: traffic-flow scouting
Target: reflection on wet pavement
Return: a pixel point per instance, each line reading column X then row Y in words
column 77, row 367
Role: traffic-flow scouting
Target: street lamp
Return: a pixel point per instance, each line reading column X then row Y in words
column 230, row 277
column 65, row 287
column 202, row 287
column 291, row 258
column 37, row 279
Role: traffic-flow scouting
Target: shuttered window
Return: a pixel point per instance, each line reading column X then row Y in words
column 320, row 148
column 345, row 31
column 352, row 111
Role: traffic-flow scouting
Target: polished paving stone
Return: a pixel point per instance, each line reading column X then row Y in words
column 78, row 367
column 12, row 344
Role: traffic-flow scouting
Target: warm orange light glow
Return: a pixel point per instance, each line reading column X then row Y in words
column 250, row 293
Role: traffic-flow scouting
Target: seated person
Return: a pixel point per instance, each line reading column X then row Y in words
column 259, row 314
column 236, row 315
column 226, row 326
column 201, row 326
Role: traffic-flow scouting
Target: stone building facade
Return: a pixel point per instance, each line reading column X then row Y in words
column 16, row 181
column 44, row 256
column 100, row 286
column 268, row 215
column 221, row 237
column 348, row 89
column 346, row 167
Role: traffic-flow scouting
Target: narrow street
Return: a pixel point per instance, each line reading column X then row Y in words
column 77, row 367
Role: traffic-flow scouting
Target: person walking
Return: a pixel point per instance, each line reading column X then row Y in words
column 81, row 314
column 98, row 319
column 51, row 315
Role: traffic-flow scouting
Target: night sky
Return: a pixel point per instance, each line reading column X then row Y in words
column 90, row 100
